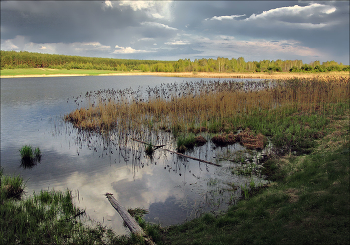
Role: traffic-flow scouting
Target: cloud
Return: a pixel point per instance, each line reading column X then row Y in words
column 295, row 10
column 8, row 45
column 157, row 16
column 255, row 50
column 108, row 4
column 137, row 5
column 231, row 17
column 154, row 9
column 159, row 25
column 93, row 28
column 128, row 50
column 146, row 39
column 178, row 42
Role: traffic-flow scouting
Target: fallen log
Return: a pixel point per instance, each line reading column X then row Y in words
column 128, row 219
column 180, row 154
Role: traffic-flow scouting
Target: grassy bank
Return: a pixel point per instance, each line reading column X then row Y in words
column 308, row 202
column 47, row 218
column 40, row 72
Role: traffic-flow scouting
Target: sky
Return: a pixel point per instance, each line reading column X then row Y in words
column 173, row 30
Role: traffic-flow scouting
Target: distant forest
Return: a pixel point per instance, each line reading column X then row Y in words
column 23, row 59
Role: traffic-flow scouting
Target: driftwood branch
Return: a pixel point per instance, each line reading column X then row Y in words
column 180, row 154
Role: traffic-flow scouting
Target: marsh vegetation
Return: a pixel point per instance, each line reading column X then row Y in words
column 291, row 113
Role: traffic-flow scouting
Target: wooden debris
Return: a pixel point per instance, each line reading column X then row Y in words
column 197, row 159
column 128, row 219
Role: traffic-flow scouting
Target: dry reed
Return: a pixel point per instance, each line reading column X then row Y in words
column 209, row 106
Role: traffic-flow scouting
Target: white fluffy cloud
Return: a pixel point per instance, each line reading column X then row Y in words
column 230, row 17
column 128, row 50
column 159, row 25
column 295, row 10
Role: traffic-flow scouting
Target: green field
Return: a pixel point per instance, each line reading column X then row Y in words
column 47, row 71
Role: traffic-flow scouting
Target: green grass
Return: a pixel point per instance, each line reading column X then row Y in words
column 47, row 71
column 37, row 152
column 185, row 142
column 11, row 187
column 29, row 156
column 307, row 204
column 48, row 218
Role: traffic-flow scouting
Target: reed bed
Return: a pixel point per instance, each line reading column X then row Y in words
column 218, row 107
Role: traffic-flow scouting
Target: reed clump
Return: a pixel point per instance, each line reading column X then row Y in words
column 29, row 156
column 225, row 139
column 11, row 187
column 251, row 141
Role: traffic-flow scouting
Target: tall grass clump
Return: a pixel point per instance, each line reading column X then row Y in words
column 11, row 187
column 185, row 142
column 29, row 156
column 26, row 152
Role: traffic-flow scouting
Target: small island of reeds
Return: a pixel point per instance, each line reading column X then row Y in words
column 291, row 113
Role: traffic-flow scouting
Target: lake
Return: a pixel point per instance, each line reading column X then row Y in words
column 172, row 188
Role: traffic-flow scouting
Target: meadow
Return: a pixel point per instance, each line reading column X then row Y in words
column 32, row 72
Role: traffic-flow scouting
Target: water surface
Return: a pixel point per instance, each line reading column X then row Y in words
column 173, row 189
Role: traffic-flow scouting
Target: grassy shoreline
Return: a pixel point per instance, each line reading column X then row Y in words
column 47, row 72
column 308, row 202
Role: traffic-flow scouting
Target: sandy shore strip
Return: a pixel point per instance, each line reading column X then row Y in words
column 198, row 75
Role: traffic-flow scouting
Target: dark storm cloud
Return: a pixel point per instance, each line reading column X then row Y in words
column 64, row 21
column 180, row 29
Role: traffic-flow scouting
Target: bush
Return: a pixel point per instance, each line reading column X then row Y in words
column 294, row 69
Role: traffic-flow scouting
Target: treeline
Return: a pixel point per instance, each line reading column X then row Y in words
column 23, row 59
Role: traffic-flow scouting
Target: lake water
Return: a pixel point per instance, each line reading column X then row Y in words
column 172, row 188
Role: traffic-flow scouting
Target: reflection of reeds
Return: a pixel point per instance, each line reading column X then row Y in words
column 216, row 107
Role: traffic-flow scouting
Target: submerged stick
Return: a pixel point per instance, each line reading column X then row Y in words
column 180, row 154
column 197, row 159
column 155, row 146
